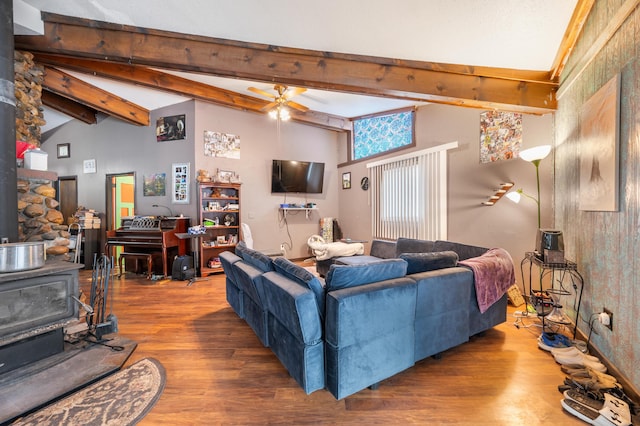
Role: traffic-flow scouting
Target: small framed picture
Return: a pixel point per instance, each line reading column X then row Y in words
column 221, row 239
column 64, row 150
column 225, row 175
column 89, row 166
column 346, row 180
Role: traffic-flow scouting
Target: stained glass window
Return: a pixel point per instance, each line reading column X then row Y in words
column 382, row 133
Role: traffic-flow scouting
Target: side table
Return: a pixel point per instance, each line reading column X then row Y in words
column 547, row 302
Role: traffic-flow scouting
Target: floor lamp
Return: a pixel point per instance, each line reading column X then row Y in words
column 534, row 156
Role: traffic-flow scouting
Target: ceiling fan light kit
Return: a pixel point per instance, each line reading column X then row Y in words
column 280, row 113
column 278, row 108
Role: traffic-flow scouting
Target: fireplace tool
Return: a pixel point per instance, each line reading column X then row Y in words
column 99, row 325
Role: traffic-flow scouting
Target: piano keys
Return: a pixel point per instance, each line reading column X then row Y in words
column 151, row 234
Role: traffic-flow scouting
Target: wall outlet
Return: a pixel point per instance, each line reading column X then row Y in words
column 282, row 249
column 610, row 315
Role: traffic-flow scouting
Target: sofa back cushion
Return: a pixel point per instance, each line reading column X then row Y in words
column 383, row 249
column 259, row 260
column 345, row 276
column 464, row 251
column 412, row 245
column 422, row 262
column 304, row 278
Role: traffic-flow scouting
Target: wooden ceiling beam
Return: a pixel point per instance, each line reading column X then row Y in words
column 524, row 91
column 159, row 80
column 154, row 79
column 70, row 87
column 69, row 107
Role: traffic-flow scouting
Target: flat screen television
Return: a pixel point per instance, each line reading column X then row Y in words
column 297, row 176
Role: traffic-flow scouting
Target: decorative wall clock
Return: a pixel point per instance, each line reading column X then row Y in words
column 364, row 183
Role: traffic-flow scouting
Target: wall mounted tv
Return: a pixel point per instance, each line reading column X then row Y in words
column 297, row 176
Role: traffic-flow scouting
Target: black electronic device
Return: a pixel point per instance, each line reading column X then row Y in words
column 182, row 268
column 297, row 176
column 550, row 246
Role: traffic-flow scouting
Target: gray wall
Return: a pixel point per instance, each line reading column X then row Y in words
column 119, row 147
column 506, row 224
column 605, row 244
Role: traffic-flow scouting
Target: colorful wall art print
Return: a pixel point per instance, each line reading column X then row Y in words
column 599, row 149
column 171, row 128
column 217, row 144
column 155, row 185
column 180, row 183
column 500, row 135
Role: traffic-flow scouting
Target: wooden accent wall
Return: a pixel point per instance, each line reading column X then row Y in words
column 606, row 245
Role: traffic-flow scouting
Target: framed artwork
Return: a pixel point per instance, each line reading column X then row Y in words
column 225, row 176
column 171, row 128
column 154, row 185
column 346, row 180
column 64, row 150
column 180, row 182
column 500, row 135
column 89, row 166
column 599, row 149
column 218, row 144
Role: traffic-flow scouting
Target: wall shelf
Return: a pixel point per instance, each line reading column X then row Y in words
column 307, row 210
column 499, row 193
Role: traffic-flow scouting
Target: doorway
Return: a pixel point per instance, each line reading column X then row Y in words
column 121, row 198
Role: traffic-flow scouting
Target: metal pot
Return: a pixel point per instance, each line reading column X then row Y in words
column 16, row 257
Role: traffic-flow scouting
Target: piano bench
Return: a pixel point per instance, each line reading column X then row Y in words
column 137, row 256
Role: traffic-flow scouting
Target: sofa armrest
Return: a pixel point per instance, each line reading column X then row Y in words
column 369, row 334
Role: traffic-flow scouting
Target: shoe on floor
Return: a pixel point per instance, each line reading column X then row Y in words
column 604, row 417
column 548, row 341
column 615, row 404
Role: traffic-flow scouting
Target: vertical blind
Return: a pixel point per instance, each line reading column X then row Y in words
column 409, row 195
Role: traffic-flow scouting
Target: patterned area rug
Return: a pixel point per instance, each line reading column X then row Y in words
column 122, row 398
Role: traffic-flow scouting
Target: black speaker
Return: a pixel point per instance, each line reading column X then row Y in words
column 182, row 268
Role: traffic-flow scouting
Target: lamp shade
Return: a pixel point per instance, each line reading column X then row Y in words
column 535, row 153
column 514, row 196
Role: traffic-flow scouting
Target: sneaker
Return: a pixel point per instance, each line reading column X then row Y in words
column 548, row 341
column 617, row 405
column 605, row 416
column 578, row 358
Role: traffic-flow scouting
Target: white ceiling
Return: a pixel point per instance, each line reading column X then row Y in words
column 518, row 34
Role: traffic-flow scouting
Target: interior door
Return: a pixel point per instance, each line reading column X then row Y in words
column 67, row 196
column 121, row 201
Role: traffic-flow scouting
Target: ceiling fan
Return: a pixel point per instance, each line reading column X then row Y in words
column 277, row 107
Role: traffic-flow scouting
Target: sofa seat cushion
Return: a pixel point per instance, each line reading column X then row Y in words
column 304, row 278
column 356, row 260
column 345, row 276
column 430, row 261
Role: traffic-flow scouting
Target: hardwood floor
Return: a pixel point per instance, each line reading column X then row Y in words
column 218, row 373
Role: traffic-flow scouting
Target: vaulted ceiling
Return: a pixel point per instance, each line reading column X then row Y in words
column 100, row 63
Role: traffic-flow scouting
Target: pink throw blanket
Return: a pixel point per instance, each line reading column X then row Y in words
column 494, row 274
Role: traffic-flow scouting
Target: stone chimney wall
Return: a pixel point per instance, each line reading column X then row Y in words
column 28, row 92
column 38, row 217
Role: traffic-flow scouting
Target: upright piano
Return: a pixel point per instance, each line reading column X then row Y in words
column 151, row 234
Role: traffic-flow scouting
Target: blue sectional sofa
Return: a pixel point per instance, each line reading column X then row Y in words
column 370, row 318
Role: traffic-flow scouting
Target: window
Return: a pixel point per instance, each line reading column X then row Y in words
column 382, row 133
column 409, row 195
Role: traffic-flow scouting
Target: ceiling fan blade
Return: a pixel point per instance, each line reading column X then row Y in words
column 294, row 91
column 261, row 92
column 297, row 106
column 268, row 106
